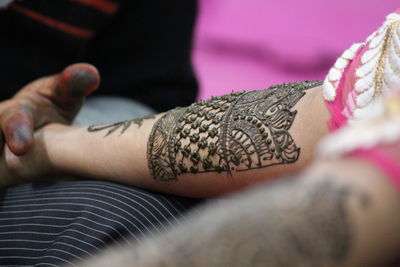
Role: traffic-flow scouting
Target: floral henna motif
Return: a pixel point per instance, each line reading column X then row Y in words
column 123, row 125
column 236, row 132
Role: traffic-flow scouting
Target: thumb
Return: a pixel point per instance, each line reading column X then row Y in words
column 75, row 82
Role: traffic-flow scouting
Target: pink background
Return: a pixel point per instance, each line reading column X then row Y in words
column 252, row 44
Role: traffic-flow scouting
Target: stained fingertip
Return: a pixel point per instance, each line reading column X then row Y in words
column 20, row 138
column 79, row 80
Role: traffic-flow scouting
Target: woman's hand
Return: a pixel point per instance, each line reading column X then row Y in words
column 16, row 169
column 56, row 98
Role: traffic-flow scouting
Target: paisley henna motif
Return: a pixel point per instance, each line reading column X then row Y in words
column 236, row 132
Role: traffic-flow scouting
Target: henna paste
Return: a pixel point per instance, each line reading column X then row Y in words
column 123, row 125
column 236, row 132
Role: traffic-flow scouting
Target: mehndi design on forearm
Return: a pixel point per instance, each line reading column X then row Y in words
column 115, row 126
column 236, row 132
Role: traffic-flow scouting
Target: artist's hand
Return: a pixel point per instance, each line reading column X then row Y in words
column 56, row 98
column 17, row 169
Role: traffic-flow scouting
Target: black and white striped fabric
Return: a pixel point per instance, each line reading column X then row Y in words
column 50, row 224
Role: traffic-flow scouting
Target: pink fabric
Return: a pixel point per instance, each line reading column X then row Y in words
column 342, row 107
column 254, row 44
column 350, row 104
column 335, row 107
column 388, row 164
column 351, row 80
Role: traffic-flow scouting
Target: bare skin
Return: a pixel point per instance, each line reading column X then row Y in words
column 121, row 157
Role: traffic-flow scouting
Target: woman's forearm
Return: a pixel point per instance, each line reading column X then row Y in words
column 209, row 148
column 120, row 158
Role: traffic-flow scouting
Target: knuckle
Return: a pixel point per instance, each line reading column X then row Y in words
column 5, row 105
column 13, row 114
column 36, row 86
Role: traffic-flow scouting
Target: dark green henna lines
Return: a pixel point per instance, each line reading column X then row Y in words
column 123, row 125
column 236, row 132
column 139, row 121
column 111, row 127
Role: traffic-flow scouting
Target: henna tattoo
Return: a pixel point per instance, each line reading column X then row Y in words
column 118, row 125
column 139, row 121
column 236, row 132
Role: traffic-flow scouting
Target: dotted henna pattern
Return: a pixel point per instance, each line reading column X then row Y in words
column 235, row 132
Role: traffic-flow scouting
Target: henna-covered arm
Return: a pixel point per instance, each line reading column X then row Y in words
column 211, row 147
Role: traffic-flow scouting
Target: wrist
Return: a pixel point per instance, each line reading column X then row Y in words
column 51, row 141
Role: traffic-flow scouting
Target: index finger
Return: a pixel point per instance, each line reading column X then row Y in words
column 17, row 124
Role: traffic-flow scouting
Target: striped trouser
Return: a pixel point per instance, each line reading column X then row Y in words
column 50, row 224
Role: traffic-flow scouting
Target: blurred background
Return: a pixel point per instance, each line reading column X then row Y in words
column 241, row 44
